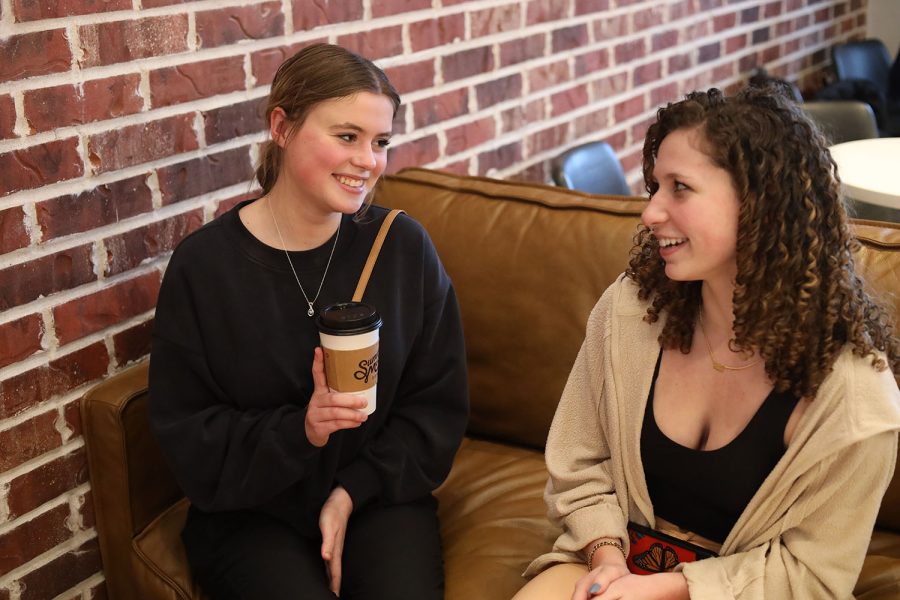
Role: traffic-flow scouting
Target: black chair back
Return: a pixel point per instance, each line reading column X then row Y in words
column 864, row 59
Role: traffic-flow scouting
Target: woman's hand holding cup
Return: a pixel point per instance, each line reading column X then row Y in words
column 329, row 411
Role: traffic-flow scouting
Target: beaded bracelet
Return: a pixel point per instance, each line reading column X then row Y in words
column 598, row 545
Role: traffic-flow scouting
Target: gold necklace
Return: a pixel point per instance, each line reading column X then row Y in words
column 311, row 310
column 720, row 367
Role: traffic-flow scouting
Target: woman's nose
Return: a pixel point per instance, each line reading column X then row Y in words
column 654, row 213
column 365, row 158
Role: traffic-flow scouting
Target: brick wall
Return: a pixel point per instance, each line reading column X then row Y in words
column 125, row 124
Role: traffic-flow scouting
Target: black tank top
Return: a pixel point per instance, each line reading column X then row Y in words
column 705, row 491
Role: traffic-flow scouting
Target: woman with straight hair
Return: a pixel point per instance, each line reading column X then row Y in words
column 298, row 491
column 730, row 424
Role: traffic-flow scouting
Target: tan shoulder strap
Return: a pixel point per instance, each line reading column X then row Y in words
column 373, row 254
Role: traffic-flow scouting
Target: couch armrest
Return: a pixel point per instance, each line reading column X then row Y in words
column 130, row 481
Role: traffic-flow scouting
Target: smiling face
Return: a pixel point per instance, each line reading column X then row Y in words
column 333, row 159
column 694, row 213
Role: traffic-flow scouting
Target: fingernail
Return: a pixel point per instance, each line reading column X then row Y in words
column 595, row 589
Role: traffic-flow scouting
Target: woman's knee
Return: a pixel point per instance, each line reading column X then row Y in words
column 556, row 583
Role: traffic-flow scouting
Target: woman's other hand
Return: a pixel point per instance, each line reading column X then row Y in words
column 329, row 411
column 333, row 525
column 596, row 582
column 659, row 586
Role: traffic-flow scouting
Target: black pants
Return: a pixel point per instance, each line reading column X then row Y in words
column 390, row 553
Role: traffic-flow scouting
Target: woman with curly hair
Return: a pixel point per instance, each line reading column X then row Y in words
column 735, row 385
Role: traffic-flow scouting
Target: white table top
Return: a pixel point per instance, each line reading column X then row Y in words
column 870, row 170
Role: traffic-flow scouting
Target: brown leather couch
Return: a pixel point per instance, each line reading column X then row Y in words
column 528, row 262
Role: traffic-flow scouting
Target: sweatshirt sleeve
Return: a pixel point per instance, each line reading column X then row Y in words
column 580, row 492
column 223, row 457
column 819, row 554
column 411, row 455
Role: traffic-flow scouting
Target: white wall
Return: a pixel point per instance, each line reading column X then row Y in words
column 884, row 23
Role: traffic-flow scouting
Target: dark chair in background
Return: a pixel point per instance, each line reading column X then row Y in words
column 592, row 168
column 843, row 120
column 863, row 70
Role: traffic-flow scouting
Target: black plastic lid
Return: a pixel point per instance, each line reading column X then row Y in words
column 348, row 318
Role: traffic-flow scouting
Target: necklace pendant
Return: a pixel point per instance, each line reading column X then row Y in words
column 718, row 366
column 310, row 312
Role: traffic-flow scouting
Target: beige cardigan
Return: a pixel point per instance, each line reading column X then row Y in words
column 805, row 532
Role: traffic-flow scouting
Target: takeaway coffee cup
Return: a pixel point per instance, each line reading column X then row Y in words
column 348, row 332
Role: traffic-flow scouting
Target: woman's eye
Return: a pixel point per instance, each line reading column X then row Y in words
column 383, row 143
column 347, row 137
column 679, row 187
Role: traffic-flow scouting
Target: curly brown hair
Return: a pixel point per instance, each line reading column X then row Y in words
column 797, row 297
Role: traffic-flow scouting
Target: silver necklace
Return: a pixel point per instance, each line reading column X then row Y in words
column 311, row 310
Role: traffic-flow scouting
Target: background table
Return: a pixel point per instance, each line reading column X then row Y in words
column 870, row 174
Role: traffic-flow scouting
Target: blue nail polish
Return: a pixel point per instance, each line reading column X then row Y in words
column 595, row 589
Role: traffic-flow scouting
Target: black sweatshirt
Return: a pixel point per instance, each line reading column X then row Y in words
column 230, row 371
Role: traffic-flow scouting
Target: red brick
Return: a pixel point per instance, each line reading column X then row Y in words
column 697, row 31
column 664, row 40
column 375, row 43
column 593, row 122
column 711, row 4
column 417, row 153
column 20, row 339
column 760, row 35
column 399, row 124
column 157, row 3
column 629, row 51
column 64, row 270
column 522, row 49
column 105, row 308
column 102, row 205
column 125, row 41
column 460, row 167
column 584, row 7
column 668, row 92
column 470, row 135
column 548, row 138
column 569, row 38
column 535, row 173
column 498, row 90
column 62, row 573
column 43, row 484
column 610, row 28
column 34, row 10
column 310, row 14
column 771, row 53
column 225, row 205
column 629, row 108
column 639, row 130
column 542, row 11
column 441, row 108
column 468, row 63
column 591, row 62
column 27, row 440
column 647, row 73
column 648, row 17
column 548, row 75
column 709, row 52
column 569, row 100
column 12, row 230
column 411, row 77
column 437, row 32
column 40, row 165
column 230, row 25
column 514, row 119
column 383, row 8
column 33, row 538
column 128, row 250
column 264, row 63
column 499, row 158
column 750, row 15
column 610, row 85
column 821, row 15
column 136, row 144
column 183, row 83
column 133, row 344
column 7, row 117
column 72, row 414
column 496, row 20
column 735, row 43
column 726, row 21
column 37, row 53
column 679, row 10
column 98, row 592
column 234, row 120
column 96, row 100
column 204, row 174
column 61, row 375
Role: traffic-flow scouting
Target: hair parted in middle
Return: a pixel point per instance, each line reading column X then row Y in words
column 798, row 298
column 314, row 74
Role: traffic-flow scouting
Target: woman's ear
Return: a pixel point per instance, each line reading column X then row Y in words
column 278, row 126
